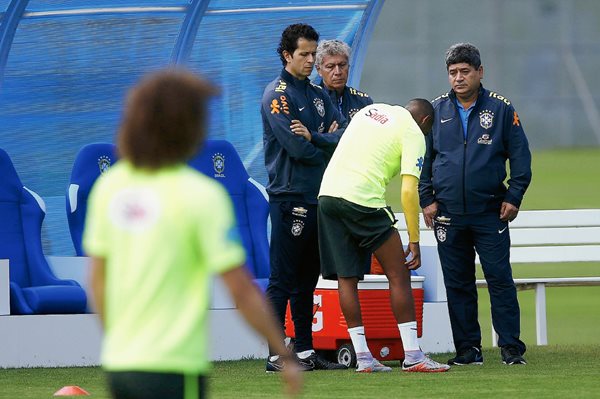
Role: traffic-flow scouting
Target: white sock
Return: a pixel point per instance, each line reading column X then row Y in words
column 408, row 333
column 364, row 357
column 305, row 354
column 273, row 358
column 359, row 341
column 412, row 357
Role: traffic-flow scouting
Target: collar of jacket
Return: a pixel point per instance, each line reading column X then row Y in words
column 288, row 77
column 480, row 94
column 332, row 91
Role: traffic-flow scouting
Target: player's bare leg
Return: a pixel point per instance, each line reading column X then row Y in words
column 350, row 305
column 348, row 293
column 391, row 257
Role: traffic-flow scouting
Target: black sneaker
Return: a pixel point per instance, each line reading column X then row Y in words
column 472, row 355
column 274, row 366
column 512, row 355
column 318, row 363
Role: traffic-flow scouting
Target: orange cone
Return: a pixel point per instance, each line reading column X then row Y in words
column 71, row 390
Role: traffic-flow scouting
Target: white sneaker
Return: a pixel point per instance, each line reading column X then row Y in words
column 426, row 365
column 372, row 367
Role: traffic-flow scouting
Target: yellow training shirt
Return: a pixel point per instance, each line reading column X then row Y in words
column 380, row 141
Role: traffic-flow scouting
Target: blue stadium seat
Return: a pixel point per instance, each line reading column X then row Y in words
column 34, row 289
column 219, row 159
column 92, row 160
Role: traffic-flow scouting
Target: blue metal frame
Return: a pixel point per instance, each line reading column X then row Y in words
column 361, row 41
column 189, row 30
column 8, row 27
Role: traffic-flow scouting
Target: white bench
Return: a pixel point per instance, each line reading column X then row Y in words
column 544, row 236
column 540, row 284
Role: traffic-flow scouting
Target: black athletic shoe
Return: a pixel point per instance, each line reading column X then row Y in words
column 274, row 366
column 318, row 363
column 469, row 356
column 512, row 355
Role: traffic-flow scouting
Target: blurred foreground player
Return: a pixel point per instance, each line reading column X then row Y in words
column 156, row 231
column 354, row 219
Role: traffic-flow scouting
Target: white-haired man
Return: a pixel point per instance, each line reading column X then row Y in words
column 333, row 64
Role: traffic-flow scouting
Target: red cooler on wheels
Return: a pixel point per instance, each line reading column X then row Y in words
column 330, row 332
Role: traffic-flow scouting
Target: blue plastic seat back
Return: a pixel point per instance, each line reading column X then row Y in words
column 12, row 243
column 92, row 160
column 219, row 160
column 34, row 289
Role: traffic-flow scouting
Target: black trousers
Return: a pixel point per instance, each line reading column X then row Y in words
column 295, row 266
column 458, row 237
column 149, row 385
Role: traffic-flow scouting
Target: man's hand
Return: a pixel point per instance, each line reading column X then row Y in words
column 429, row 213
column 298, row 128
column 508, row 212
column 415, row 250
column 334, row 126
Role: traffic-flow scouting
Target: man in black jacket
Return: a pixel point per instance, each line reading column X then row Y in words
column 300, row 133
column 333, row 65
column 466, row 202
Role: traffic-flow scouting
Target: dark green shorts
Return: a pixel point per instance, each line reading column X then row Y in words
column 155, row 385
column 348, row 234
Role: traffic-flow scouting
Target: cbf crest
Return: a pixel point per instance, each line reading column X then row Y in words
column 219, row 164
column 297, row 227
column 104, row 164
column 486, row 119
column 320, row 106
column 441, row 233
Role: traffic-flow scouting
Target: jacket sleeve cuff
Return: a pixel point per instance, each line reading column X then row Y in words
column 512, row 199
column 425, row 201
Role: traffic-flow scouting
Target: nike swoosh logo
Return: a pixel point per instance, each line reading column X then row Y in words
column 300, row 109
column 445, row 120
column 501, row 231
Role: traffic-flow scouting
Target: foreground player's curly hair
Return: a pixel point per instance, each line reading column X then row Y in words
column 164, row 119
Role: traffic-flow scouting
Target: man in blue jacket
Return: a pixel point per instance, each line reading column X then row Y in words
column 300, row 133
column 333, row 65
column 466, row 202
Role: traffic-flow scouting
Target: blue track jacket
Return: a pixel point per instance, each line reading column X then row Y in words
column 352, row 100
column 295, row 166
column 466, row 176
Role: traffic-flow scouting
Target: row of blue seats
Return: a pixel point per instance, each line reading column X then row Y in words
column 33, row 287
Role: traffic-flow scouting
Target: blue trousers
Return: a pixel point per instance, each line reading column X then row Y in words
column 295, row 266
column 458, row 237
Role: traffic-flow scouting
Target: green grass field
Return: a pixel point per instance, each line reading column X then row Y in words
column 568, row 367
column 552, row 372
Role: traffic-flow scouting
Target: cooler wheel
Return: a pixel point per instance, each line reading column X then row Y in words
column 345, row 355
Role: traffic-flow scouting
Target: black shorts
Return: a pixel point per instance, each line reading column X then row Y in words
column 151, row 385
column 348, row 234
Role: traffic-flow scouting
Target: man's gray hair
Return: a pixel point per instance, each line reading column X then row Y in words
column 463, row 52
column 331, row 47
